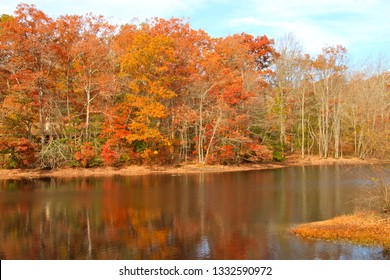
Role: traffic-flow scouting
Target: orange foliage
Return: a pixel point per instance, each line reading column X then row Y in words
column 223, row 155
column 17, row 153
column 256, row 153
column 86, row 154
column 150, row 90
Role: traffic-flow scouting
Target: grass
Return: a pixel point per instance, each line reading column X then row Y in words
column 365, row 228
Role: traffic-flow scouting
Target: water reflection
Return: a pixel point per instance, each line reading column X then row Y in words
column 205, row 216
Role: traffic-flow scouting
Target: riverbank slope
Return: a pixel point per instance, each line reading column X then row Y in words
column 7, row 174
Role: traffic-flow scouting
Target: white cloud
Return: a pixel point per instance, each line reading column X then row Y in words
column 360, row 25
column 299, row 8
column 313, row 37
column 321, row 22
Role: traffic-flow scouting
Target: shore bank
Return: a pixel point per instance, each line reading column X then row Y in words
column 364, row 228
column 7, row 174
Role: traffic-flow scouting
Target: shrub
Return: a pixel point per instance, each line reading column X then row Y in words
column 254, row 152
column 18, row 153
column 55, row 154
column 86, row 154
column 224, row 154
column 109, row 156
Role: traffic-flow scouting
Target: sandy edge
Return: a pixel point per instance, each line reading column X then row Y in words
column 7, row 174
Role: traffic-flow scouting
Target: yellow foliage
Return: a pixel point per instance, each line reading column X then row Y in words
column 147, row 64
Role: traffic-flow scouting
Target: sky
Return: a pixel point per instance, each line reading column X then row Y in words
column 362, row 26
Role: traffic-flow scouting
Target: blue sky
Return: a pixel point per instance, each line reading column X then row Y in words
column 362, row 26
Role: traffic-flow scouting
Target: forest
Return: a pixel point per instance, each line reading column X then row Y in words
column 80, row 91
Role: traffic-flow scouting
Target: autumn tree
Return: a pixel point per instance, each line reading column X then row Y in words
column 328, row 76
column 367, row 111
column 28, row 45
column 229, row 72
column 287, row 90
column 93, row 67
column 189, row 47
column 146, row 69
column 77, row 90
column 245, row 61
column 4, row 57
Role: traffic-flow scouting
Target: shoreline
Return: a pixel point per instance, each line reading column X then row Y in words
column 68, row 172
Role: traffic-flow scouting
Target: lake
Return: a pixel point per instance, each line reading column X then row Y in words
column 233, row 215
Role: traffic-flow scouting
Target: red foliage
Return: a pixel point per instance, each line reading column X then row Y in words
column 25, row 151
column 18, row 153
column 160, row 155
column 223, row 155
column 109, row 156
column 250, row 152
column 147, row 89
column 256, row 153
column 227, row 154
column 86, row 154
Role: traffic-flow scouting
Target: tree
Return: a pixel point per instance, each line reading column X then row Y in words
column 146, row 69
column 367, row 111
column 29, row 55
column 161, row 92
column 288, row 85
column 328, row 71
column 94, row 66
column 231, row 72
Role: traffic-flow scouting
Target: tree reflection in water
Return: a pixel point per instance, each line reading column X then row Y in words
column 241, row 215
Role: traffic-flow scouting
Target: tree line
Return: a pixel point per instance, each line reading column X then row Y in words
column 79, row 91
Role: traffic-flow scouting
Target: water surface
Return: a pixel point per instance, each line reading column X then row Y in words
column 236, row 215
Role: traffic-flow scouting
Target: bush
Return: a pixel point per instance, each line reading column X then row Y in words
column 278, row 156
column 253, row 152
column 86, row 154
column 224, row 154
column 380, row 193
column 109, row 156
column 55, row 154
column 249, row 152
column 18, row 153
column 376, row 194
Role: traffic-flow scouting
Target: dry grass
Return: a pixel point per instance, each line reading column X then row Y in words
column 361, row 228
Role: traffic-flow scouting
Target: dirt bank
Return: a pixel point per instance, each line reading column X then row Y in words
column 6, row 174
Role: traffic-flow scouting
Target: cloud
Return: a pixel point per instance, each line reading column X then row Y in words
column 313, row 37
column 319, row 23
column 310, row 8
column 360, row 25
